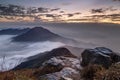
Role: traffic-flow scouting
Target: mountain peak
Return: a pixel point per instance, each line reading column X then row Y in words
column 39, row 30
column 36, row 34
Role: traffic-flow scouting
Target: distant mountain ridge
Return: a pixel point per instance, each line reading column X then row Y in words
column 13, row 31
column 38, row 34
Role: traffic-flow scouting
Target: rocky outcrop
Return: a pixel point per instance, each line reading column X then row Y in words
column 70, row 70
column 58, row 64
column 100, row 55
column 37, row 60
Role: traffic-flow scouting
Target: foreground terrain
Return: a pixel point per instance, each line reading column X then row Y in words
column 61, row 64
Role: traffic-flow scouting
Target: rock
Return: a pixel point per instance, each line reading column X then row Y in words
column 100, row 55
column 48, row 68
column 37, row 60
column 66, row 73
column 64, row 61
column 70, row 69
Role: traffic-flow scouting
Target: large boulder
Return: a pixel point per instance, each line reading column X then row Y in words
column 100, row 55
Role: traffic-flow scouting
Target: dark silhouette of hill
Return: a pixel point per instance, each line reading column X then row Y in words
column 37, row 34
column 12, row 31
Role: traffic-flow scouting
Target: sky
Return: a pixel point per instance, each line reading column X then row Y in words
column 70, row 11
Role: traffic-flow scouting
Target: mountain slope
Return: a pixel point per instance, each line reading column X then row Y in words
column 37, row 60
column 12, row 31
column 36, row 34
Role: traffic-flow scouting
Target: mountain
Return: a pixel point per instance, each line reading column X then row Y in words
column 12, row 31
column 40, row 34
column 37, row 60
column 37, row 34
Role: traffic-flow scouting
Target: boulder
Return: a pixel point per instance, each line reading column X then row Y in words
column 100, row 55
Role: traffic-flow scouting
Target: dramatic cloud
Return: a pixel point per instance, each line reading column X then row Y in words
column 19, row 13
column 11, row 10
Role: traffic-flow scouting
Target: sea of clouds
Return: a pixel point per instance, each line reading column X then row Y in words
column 13, row 53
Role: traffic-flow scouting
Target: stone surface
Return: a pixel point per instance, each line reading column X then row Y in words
column 100, row 55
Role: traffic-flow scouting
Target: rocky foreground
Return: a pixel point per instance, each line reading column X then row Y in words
column 60, row 64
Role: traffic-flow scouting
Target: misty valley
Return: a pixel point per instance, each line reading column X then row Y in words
column 39, row 47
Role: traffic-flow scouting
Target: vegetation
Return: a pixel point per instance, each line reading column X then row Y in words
column 29, row 74
column 97, row 72
column 17, row 75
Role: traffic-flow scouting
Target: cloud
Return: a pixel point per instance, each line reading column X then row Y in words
column 72, row 14
column 114, row 17
column 55, row 17
column 43, row 10
column 19, row 13
column 100, row 10
column 103, row 10
column 14, row 52
column 62, row 11
column 11, row 10
column 56, row 9
column 98, row 17
column 14, row 10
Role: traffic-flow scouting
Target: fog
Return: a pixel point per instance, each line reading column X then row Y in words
column 99, row 34
column 89, row 35
column 13, row 53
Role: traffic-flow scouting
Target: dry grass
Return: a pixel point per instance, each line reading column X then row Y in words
column 29, row 74
column 113, row 73
column 97, row 72
column 17, row 75
column 90, row 71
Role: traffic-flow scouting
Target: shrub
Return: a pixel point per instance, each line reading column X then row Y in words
column 113, row 73
column 97, row 72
